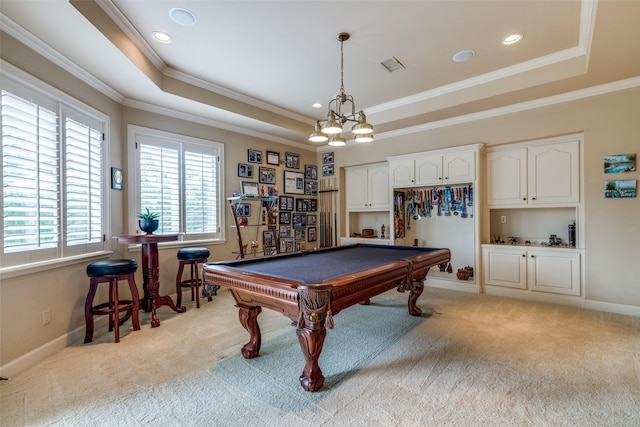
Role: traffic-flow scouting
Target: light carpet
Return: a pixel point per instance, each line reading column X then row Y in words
column 474, row 360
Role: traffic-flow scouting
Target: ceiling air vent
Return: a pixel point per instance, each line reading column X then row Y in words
column 392, row 64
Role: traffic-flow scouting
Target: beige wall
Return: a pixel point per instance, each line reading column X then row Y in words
column 612, row 231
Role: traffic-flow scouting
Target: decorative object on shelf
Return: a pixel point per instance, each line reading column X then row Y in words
column 273, row 158
column 254, row 245
column 250, row 189
column 245, row 171
column 268, row 239
column 254, row 156
column 513, row 240
column 292, row 160
column 148, row 221
column 572, row 235
column 331, row 129
column 293, row 182
column 382, row 230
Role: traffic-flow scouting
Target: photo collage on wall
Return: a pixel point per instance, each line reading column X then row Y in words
column 292, row 217
column 620, row 188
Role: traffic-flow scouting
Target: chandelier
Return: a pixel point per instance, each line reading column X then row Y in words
column 331, row 128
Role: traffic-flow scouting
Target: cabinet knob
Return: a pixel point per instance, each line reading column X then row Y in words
column 446, row 177
column 533, row 198
column 524, row 256
column 524, row 198
column 533, row 256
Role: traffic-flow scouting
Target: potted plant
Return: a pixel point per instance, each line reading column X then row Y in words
column 148, row 221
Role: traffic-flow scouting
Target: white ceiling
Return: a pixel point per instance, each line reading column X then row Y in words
column 257, row 66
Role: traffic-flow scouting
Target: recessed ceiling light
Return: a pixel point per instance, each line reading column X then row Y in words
column 513, row 38
column 182, row 16
column 316, row 105
column 463, row 55
column 162, row 37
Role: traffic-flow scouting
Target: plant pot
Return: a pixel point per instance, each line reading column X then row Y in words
column 149, row 225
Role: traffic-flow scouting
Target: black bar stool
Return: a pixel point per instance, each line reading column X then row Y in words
column 112, row 271
column 191, row 257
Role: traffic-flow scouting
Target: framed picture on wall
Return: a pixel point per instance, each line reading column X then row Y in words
column 327, row 170
column 250, row 189
column 293, row 182
column 267, row 175
column 245, row 171
column 292, row 160
column 311, row 234
column 327, row 158
column 310, row 172
column 311, row 188
column 254, row 156
column 285, row 218
column 273, row 158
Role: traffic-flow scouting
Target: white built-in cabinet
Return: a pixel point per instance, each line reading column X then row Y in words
column 433, row 169
column 554, row 270
column 533, row 191
column 537, row 175
column 367, row 187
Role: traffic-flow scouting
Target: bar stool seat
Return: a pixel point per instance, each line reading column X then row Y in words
column 191, row 257
column 112, row 271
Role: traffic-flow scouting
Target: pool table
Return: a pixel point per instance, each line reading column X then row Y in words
column 310, row 287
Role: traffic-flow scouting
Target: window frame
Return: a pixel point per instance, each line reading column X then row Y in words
column 134, row 133
column 26, row 86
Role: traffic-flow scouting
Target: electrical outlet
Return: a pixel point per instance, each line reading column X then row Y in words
column 503, row 219
column 46, row 317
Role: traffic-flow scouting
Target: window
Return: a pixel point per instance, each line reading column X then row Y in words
column 180, row 178
column 52, row 176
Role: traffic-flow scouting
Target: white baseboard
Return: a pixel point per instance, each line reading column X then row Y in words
column 39, row 354
column 629, row 310
column 455, row 285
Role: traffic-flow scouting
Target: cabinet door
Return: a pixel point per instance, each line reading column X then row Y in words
column 401, row 172
column 507, row 177
column 554, row 173
column 428, row 170
column 356, row 184
column 378, row 185
column 459, row 167
column 505, row 267
column 557, row 272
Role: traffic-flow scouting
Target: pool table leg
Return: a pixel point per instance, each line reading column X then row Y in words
column 414, row 294
column 249, row 320
column 311, row 342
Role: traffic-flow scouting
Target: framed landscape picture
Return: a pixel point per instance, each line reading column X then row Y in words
column 616, row 163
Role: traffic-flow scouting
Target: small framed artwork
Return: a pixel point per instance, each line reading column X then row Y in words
column 327, row 170
column 623, row 188
column 250, row 189
column 285, row 203
column 312, row 219
column 243, row 209
column 286, row 244
column 293, row 182
column 616, row 163
column 306, row 205
column 311, row 188
column 254, row 156
column 300, row 234
column 285, row 231
column 285, row 218
column 267, row 175
column 268, row 238
column 292, row 160
column 311, row 234
column 273, row 158
column 300, row 246
column 117, row 178
column 245, row 171
column 299, row 220
column 327, row 158
column 310, row 172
